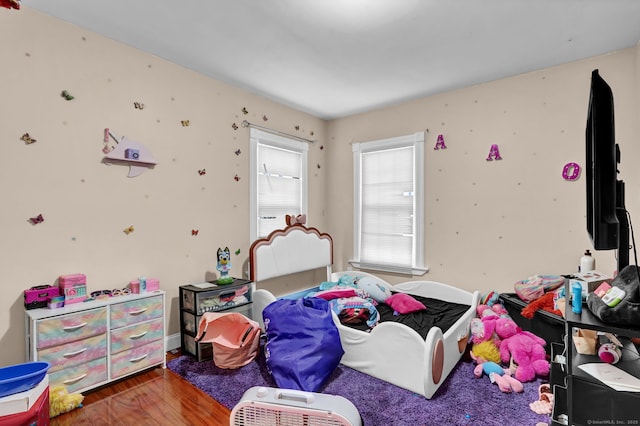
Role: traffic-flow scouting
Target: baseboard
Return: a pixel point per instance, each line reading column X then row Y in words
column 172, row 342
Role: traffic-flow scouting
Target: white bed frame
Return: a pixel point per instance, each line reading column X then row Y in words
column 390, row 351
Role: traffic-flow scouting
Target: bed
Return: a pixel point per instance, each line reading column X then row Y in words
column 390, row 351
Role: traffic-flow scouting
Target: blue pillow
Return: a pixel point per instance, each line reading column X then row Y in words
column 376, row 288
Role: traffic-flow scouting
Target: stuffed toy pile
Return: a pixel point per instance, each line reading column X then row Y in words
column 497, row 338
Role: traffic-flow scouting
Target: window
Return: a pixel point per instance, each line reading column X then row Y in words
column 278, row 181
column 388, row 205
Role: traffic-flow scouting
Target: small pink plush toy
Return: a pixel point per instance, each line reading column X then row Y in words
column 499, row 376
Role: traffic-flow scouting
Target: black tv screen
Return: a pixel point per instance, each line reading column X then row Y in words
column 601, row 167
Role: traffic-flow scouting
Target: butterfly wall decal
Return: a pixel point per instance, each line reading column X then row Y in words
column 265, row 118
column 237, row 252
column 202, row 172
column 238, row 152
column 235, row 126
column 185, row 123
column 129, row 230
column 65, row 94
column 138, row 105
column 195, row 231
column 36, row 220
column 244, row 111
column 27, row 139
column 237, row 178
column 297, row 127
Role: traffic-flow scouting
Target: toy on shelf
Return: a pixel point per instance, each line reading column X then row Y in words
column 224, row 266
column 546, row 302
column 126, row 151
column 610, row 348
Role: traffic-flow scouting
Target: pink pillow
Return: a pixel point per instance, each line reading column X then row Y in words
column 404, row 304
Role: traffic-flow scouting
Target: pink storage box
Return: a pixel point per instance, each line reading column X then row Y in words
column 73, row 287
column 152, row 284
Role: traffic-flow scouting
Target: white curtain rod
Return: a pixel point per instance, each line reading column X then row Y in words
column 245, row 123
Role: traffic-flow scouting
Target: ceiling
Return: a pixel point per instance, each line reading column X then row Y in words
column 333, row 58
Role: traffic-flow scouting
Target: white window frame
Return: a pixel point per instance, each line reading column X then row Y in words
column 257, row 137
column 416, row 141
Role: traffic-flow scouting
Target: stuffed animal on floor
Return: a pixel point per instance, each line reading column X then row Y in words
column 500, row 376
column 61, row 401
column 522, row 347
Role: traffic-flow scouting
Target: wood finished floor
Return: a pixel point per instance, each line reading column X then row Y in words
column 155, row 397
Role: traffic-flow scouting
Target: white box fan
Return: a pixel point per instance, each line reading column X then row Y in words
column 264, row 406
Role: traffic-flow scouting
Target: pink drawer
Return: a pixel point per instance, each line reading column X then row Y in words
column 74, row 353
column 68, row 328
column 136, row 311
column 139, row 334
column 81, row 376
column 136, row 359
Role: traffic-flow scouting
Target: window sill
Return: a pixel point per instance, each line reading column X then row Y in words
column 415, row 271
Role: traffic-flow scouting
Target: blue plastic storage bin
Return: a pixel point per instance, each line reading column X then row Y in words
column 21, row 377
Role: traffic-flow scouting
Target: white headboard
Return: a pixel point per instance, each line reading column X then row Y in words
column 295, row 248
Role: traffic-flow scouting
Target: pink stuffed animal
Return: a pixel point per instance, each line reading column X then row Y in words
column 526, row 349
column 482, row 328
column 496, row 310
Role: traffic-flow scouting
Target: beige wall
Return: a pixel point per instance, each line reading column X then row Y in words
column 488, row 224
column 87, row 204
column 491, row 223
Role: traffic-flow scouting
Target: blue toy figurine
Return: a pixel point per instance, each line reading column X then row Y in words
column 224, row 265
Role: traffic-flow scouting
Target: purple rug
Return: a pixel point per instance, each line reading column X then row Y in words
column 462, row 399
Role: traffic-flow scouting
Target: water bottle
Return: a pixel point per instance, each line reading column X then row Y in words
column 587, row 262
column 576, row 302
